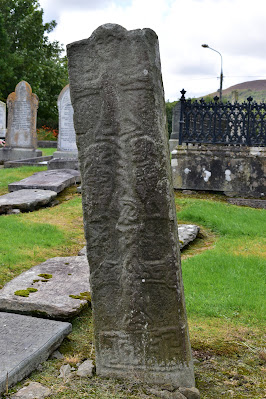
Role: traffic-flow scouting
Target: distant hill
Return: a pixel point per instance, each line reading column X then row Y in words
column 254, row 88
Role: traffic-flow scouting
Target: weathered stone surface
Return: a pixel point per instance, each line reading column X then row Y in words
column 28, row 161
column 25, row 342
column 63, row 163
column 166, row 394
column 252, row 203
column 65, row 371
column 187, row 233
column 85, row 369
column 70, row 276
column 2, row 119
column 129, row 214
column 236, row 171
column 190, row 393
column 66, row 143
column 34, row 390
column 22, row 116
column 26, row 200
column 55, row 180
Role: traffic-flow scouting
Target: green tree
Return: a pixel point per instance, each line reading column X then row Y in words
column 28, row 55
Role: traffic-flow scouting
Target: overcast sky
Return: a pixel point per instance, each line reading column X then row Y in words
column 235, row 28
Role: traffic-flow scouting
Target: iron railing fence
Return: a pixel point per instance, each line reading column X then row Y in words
column 222, row 123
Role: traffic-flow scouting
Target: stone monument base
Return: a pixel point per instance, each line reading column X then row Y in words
column 13, row 154
column 63, row 163
column 65, row 154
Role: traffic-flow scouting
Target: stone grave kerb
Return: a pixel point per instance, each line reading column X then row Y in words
column 22, row 107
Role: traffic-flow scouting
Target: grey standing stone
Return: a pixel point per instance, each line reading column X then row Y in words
column 25, row 342
column 66, row 143
column 2, row 119
column 138, row 303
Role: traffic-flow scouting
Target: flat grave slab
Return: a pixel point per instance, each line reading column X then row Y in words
column 48, row 287
column 26, row 200
column 55, row 180
column 25, row 342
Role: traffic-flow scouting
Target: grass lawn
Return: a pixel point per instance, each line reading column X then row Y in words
column 224, row 280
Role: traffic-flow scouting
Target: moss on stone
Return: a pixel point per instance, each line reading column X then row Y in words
column 45, row 275
column 82, row 296
column 26, row 292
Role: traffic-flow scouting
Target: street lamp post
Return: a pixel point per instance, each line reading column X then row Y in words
column 221, row 75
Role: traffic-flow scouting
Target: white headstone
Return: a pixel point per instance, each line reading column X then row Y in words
column 67, row 134
column 2, row 119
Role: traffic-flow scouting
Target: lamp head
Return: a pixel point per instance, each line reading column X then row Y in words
column 205, row 45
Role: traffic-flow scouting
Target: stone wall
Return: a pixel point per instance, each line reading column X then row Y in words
column 233, row 170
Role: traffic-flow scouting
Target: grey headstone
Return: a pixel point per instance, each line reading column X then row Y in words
column 22, row 116
column 66, row 143
column 70, row 276
column 2, row 119
column 26, row 200
column 128, row 204
column 55, row 180
column 25, row 342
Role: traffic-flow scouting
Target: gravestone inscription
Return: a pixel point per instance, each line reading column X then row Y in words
column 22, row 116
column 67, row 134
column 140, row 323
column 2, row 119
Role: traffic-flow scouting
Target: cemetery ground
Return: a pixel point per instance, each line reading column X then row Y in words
column 224, row 280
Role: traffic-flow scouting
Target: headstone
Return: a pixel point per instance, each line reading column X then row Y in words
column 25, row 342
column 66, row 142
column 26, row 200
column 60, row 289
column 2, row 119
column 21, row 137
column 55, row 180
column 130, row 223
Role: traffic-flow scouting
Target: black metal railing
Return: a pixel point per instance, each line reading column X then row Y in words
column 222, row 123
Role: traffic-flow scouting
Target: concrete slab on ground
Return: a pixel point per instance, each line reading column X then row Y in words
column 55, row 180
column 25, row 342
column 48, row 287
column 26, row 200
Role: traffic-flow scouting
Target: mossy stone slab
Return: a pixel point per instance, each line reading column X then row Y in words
column 55, row 280
column 25, row 342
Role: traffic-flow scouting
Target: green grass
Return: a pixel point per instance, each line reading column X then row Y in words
column 47, row 151
column 228, row 281
column 11, row 175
